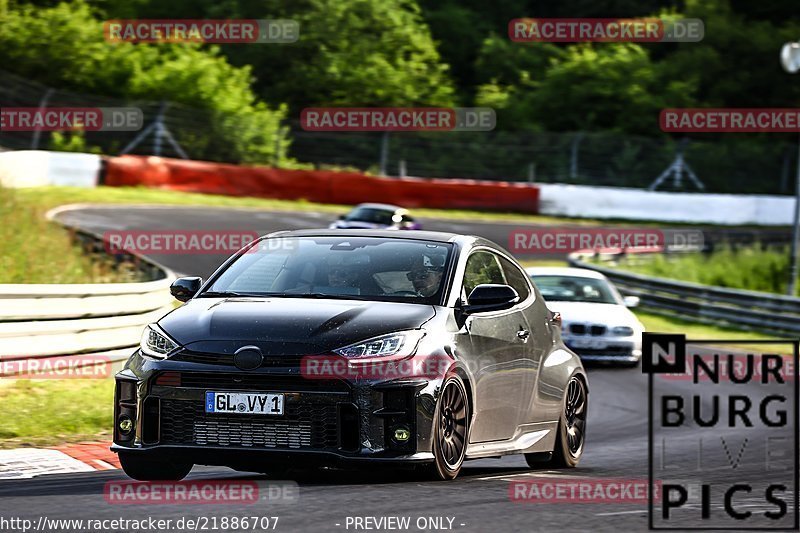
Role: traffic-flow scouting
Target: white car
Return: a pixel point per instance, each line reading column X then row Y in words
column 596, row 321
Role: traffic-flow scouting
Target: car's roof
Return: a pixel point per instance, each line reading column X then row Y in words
column 564, row 271
column 436, row 236
column 386, row 207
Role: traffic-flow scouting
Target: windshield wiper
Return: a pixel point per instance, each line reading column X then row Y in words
column 225, row 294
column 320, row 296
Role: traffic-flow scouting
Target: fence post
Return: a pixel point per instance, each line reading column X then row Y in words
column 38, row 131
column 573, row 160
column 531, row 172
column 384, row 153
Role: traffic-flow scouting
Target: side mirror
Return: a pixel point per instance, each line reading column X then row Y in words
column 491, row 297
column 631, row 301
column 184, row 288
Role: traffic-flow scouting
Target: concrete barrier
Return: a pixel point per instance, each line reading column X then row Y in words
column 638, row 204
column 35, row 168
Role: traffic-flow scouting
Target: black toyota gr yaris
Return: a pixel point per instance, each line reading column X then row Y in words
column 322, row 347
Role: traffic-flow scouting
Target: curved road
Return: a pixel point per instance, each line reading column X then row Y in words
column 478, row 500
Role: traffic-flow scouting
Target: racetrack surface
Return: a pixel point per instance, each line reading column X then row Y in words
column 101, row 219
column 616, row 447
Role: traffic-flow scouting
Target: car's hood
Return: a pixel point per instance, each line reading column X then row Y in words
column 287, row 326
column 586, row 312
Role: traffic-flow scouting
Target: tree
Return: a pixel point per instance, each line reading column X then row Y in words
column 64, row 47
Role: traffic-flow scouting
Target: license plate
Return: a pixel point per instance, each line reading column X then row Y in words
column 592, row 344
column 244, row 403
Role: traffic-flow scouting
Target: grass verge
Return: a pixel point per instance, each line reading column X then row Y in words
column 695, row 331
column 52, row 412
column 38, row 251
column 747, row 268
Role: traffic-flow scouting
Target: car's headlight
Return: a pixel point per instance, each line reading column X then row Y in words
column 622, row 331
column 155, row 343
column 400, row 344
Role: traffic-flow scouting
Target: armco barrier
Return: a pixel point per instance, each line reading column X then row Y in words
column 748, row 310
column 318, row 185
column 105, row 319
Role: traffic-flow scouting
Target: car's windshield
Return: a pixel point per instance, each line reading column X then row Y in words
column 575, row 289
column 371, row 214
column 365, row 268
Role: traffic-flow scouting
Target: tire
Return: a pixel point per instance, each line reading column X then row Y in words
column 572, row 426
column 450, row 430
column 143, row 468
column 571, row 432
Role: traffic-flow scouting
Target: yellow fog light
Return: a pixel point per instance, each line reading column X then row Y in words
column 125, row 425
column 402, row 434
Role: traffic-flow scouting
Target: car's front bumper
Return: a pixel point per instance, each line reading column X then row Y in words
column 605, row 348
column 324, row 420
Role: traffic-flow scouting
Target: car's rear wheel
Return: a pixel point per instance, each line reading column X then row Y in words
column 144, row 468
column 571, row 432
column 450, row 429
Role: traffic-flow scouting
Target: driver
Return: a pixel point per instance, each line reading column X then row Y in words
column 426, row 275
column 343, row 272
column 343, row 276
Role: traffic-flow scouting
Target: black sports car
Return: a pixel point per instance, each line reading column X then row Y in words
column 328, row 346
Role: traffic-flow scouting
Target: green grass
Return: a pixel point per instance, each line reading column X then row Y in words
column 696, row 331
column 38, row 251
column 50, row 412
column 748, row 268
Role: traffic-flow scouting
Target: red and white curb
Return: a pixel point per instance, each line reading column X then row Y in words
column 25, row 463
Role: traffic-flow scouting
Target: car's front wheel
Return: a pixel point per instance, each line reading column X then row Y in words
column 144, row 468
column 450, row 429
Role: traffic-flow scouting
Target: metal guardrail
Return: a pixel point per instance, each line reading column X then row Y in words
column 104, row 319
column 747, row 310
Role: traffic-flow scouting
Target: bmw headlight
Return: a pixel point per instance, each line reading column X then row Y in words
column 622, row 331
column 400, row 344
column 155, row 343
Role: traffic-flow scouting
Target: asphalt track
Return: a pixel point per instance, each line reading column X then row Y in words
column 479, row 500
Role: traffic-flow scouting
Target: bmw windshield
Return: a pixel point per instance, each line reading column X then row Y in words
column 575, row 289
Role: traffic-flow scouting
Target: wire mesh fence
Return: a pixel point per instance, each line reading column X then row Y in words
column 738, row 163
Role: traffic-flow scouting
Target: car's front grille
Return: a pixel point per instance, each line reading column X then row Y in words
column 312, row 425
column 227, row 359
column 577, row 329
column 596, row 330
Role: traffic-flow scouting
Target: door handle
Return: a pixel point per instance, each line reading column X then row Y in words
column 523, row 334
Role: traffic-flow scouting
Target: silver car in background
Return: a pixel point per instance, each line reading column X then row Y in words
column 377, row 216
column 596, row 321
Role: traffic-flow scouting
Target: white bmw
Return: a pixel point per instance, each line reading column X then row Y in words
column 596, row 321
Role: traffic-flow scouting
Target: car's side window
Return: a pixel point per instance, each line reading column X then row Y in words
column 516, row 278
column 482, row 267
